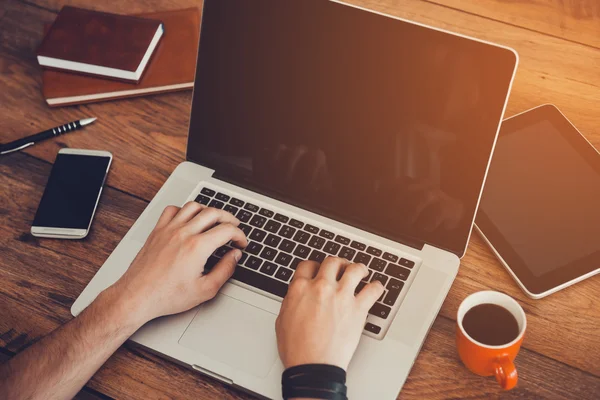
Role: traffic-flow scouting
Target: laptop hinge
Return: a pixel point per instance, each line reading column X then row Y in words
column 246, row 184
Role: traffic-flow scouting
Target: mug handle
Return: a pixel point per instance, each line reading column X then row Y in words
column 506, row 373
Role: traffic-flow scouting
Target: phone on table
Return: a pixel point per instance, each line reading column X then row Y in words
column 72, row 193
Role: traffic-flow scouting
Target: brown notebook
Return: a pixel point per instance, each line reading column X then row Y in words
column 98, row 43
column 172, row 67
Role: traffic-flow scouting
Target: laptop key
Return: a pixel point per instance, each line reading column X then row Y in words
column 380, row 310
column 244, row 216
column 302, row 251
column 253, row 248
column 268, row 253
column 258, row 221
column 406, row 263
column 284, row 274
column 391, row 297
column 390, row 257
column 368, row 277
column 372, row 328
column 253, row 262
column 360, row 287
column 222, row 197
column 362, row 258
column 287, row 245
column 251, row 207
column 302, row 237
column 208, row 192
column 295, row 263
column 283, row 259
column 317, row 256
column 311, row 228
column 243, row 259
column 358, row 245
column 231, row 209
column 272, row 240
column 342, row 240
column 260, row 281
column 216, row 204
column 257, row 235
column 379, row 277
column 374, row 251
column 327, row 234
column 347, row 253
column 378, row 264
column 272, row 226
column 287, row 231
column 221, row 251
column 266, row 213
column 296, row 224
column 245, row 228
column 316, row 242
column 210, row 264
column 268, row 268
column 332, row 248
column 202, row 199
column 236, row 202
column 281, row 218
column 394, row 284
column 397, row 271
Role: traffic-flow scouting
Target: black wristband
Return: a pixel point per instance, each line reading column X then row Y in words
column 319, row 381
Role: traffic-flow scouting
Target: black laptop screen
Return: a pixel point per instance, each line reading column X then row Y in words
column 376, row 122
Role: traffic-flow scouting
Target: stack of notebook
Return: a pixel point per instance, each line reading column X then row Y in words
column 90, row 56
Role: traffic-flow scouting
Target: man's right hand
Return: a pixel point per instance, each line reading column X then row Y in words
column 321, row 319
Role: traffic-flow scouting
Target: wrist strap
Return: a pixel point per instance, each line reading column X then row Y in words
column 318, row 381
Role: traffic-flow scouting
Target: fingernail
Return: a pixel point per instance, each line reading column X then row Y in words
column 237, row 255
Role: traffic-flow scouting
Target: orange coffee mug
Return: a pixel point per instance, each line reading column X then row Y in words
column 483, row 359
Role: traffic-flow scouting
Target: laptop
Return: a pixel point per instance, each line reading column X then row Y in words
column 328, row 130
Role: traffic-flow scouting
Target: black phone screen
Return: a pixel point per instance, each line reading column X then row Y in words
column 72, row 191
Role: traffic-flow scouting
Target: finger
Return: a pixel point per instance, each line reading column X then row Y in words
column 331, row 267
column 353, row 274
column 307, row 270
column 208, row 218
column 167, row 216
column 210, row 283
column 223, row 233
column 369, row 294
column 187, row 212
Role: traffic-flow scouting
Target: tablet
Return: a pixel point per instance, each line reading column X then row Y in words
column 540, row 209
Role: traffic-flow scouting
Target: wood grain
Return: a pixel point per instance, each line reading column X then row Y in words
column 147, row 137
column 576, row 20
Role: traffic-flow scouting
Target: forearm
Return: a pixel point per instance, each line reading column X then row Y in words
column 60, row 364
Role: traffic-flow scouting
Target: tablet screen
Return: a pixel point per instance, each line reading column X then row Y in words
column 539, row 209
column 543, row 197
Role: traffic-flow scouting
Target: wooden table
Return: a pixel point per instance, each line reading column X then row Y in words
column 559, row 46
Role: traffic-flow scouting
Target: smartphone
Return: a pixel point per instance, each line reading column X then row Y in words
column 72, row 193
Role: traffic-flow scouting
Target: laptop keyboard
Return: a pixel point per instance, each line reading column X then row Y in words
column 278, row 243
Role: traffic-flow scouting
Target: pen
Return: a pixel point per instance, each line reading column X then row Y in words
column 20, row 144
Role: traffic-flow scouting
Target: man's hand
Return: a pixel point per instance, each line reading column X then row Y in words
column 321, row 319
column 167, row 277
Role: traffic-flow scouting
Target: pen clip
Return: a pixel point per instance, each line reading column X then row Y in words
column 16, row 148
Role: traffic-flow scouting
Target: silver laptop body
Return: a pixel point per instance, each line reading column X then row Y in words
column 331, row 130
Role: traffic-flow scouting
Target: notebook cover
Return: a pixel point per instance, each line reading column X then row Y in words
column 173, row 63
column 99, row 38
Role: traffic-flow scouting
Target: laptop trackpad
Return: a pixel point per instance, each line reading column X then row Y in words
column 235, row 333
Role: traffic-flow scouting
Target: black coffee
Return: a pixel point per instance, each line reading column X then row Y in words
column 491, row 324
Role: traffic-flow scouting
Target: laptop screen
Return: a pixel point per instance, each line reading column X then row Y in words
column 376, row 122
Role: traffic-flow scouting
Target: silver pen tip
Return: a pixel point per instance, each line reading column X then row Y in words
column 86, row 121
